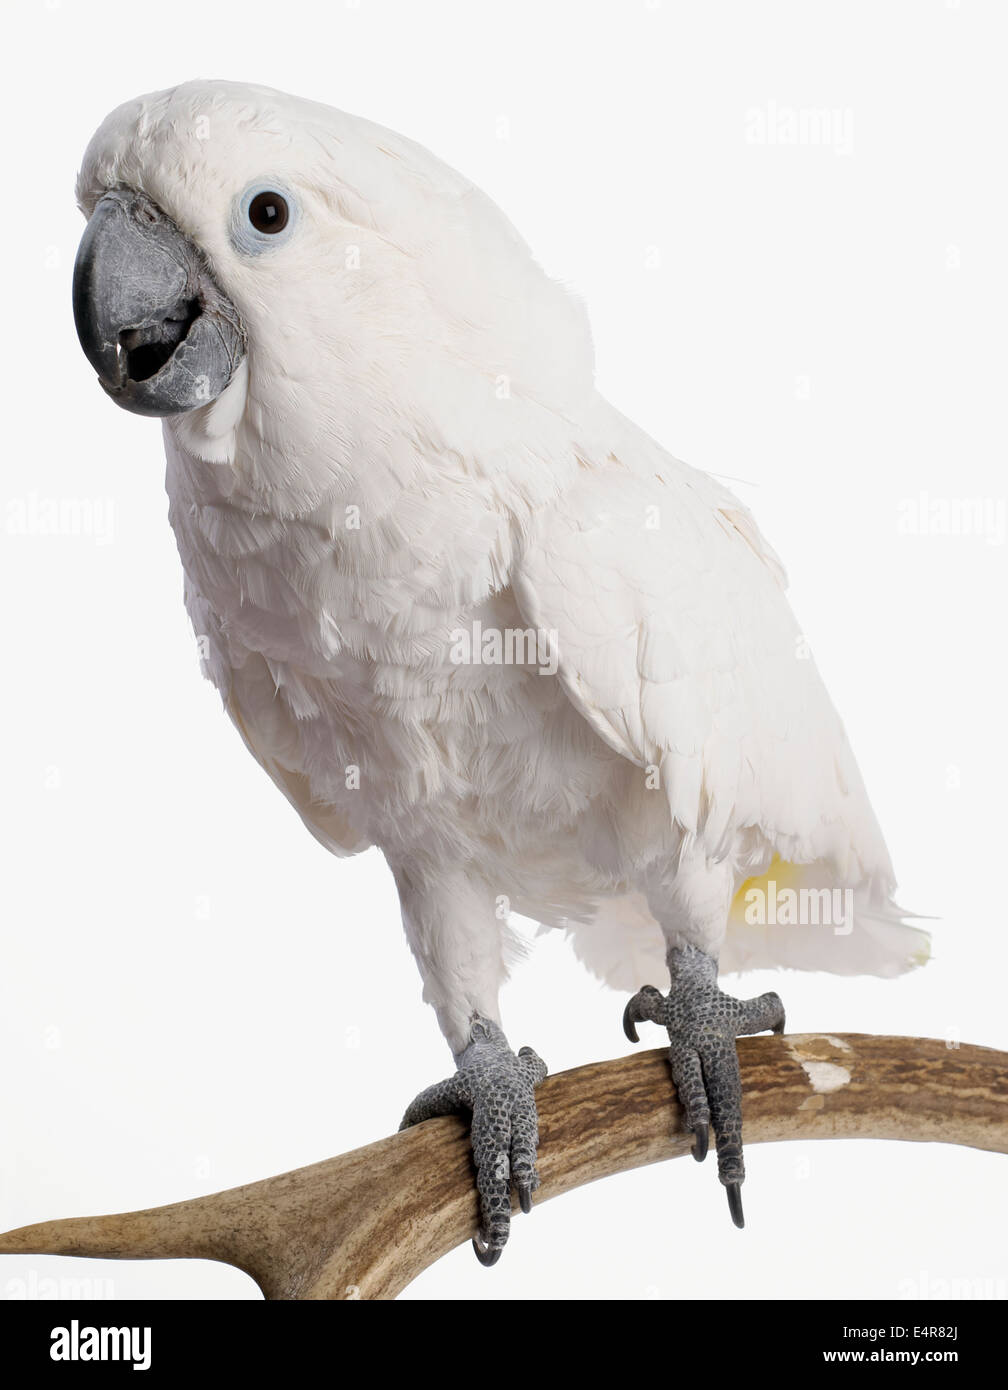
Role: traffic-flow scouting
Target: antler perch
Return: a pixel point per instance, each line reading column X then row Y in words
column 365, row 1224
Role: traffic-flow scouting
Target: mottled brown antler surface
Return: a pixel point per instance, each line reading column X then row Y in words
column 365, row 1224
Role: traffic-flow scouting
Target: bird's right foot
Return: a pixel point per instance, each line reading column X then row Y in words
column 496, row 1086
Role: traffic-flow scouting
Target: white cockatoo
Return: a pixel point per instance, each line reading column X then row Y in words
column 460, row 608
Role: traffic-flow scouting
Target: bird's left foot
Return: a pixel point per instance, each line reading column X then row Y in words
column 703, row 1024
column 496, row 1086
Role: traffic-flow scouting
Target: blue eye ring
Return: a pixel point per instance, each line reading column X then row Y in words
column 264, row 217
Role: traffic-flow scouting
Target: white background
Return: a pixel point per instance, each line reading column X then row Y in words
column 194, row 995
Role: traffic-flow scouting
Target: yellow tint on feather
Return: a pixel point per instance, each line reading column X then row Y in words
column 780, row 872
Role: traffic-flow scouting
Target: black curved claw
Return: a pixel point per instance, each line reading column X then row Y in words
column 702, row 1134
column 525, row 1196
column 780, row 1028
column 628, row 1023
column 734, row 1191
column 484, row 1254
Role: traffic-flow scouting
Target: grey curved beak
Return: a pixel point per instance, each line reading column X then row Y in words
column 154, row 324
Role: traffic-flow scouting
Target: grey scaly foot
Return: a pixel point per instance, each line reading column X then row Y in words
column 703, row 1024
column 496, row 1086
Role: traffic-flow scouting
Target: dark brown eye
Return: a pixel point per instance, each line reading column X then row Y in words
column 268, row 212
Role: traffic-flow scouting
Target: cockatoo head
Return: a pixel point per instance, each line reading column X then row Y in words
column 323, row 269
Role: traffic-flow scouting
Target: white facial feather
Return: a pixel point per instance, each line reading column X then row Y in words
column 404, row 295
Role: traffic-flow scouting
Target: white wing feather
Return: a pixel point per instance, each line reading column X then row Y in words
column 677, row 644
